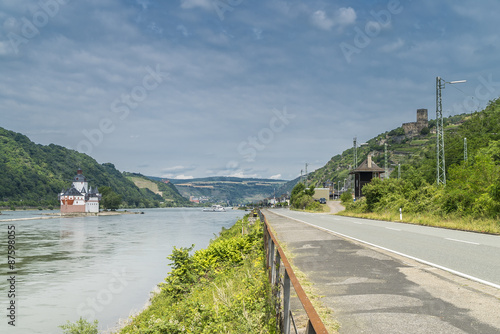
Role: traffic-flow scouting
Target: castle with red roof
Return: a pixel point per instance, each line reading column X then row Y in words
column 79, row 198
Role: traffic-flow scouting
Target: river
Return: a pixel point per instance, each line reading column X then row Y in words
column 95, row 267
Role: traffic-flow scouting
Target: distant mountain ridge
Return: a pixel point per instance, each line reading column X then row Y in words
column 224, row 189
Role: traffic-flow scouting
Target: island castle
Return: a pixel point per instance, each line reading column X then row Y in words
column 79, row 198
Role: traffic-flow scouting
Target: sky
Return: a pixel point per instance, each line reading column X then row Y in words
column 198, row 88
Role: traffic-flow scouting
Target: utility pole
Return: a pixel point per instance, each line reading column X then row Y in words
column 465, row 151
column 399, row 171
column 386, row 176
column 301, row 179
column 441, row 166
column 306, row 176
column 355, row 152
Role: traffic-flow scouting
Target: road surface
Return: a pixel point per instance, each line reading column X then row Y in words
column 375, row 289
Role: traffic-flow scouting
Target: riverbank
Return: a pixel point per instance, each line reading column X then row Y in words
column 220, row 289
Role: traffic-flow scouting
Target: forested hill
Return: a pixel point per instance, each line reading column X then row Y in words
column 32, row 175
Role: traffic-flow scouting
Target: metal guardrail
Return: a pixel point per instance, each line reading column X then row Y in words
column 281, row 275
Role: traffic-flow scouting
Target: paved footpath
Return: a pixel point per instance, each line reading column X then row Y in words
column 373, row 291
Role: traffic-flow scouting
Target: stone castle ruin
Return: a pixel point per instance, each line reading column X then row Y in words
column 413, row 129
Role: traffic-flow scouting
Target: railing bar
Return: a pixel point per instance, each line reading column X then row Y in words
column 316, row 325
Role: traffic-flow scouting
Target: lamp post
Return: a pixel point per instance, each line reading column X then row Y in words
column 441, row 166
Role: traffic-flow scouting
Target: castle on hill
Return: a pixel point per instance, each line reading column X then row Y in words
column 79, row 198
column 414, row 128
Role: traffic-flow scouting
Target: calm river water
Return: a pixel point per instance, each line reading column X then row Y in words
column 96, row 267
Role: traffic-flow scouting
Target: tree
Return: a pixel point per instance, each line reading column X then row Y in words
column 110, row 200
column 301, row 197
column 297, row 192
column 310, row 191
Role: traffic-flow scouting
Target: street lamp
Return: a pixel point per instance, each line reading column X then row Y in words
column 441, row 166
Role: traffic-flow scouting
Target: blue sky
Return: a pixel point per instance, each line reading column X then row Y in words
column 196, row 88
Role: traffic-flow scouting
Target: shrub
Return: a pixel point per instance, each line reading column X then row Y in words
column 314, row 206
column 81, row 326
column 346, row 197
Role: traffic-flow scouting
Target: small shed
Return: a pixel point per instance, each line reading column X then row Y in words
column 364, row 174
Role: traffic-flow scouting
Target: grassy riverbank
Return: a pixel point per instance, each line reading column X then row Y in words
column 220, row 289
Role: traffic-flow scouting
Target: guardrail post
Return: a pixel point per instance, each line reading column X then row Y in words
column 271, row 259
column 286, row 304
column 276, row 269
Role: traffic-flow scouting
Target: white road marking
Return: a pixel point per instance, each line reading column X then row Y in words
column 394, row 229
column 467, row 242
column 496, row 286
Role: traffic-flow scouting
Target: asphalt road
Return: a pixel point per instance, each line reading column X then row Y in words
column 471, row 255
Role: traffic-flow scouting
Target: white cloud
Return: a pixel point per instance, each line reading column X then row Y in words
column 189, row 4
column 144, row 3
column 345, row 16
column 155, row 28
column 4, row 48
column 391, row 47
column 320, row 20
column 342, row 17
column 275, row 177
column 182, row 29
column 257, row 33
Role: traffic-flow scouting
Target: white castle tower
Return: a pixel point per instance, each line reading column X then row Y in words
column 79, row 198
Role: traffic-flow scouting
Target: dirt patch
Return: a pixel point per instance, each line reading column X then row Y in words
column 335, row 206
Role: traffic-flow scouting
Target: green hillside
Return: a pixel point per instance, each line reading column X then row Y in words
column 32, row 175
column 167, row 191
column 406, row 151
column 470, row 200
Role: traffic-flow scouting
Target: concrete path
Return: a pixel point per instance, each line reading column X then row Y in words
column 372, row 291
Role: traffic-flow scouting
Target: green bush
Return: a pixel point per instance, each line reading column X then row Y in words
column 81, row 326
column 346, row 197
column 314, row 206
